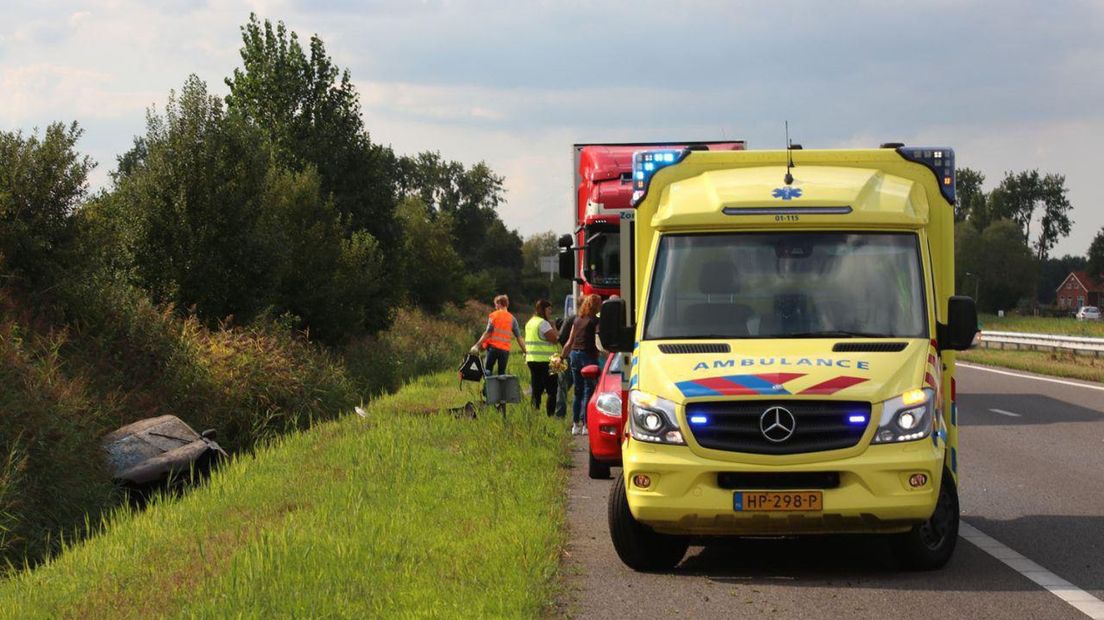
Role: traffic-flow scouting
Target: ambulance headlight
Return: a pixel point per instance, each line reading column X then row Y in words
column 907, row 417
column 652, row 419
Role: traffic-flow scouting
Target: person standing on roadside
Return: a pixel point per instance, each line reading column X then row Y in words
column 584, row 352
column 496, row 338
column 542, row 342
column 563, row 384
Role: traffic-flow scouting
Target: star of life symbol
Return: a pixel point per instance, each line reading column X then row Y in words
column 787, row 192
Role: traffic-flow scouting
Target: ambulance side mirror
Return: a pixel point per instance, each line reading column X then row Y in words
column 962, row 324
column 615, row 335
column 567, row 257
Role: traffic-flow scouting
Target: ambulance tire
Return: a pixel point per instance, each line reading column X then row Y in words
column 929, row 546
column 598, row 470
column 640, row 547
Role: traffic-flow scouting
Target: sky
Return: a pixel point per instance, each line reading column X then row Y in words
column 1011, row 85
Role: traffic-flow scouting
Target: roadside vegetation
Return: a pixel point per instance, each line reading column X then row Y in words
column 66, row 385
column 1042, row 325
column 255, row 265
column 409, row 511
column 1004, row 239
column 1058, row 364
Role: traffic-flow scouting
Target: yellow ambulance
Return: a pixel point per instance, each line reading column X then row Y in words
column 790, row 322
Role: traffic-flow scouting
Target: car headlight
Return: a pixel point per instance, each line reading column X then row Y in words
column 653, row 419
column 609, row 403
column 907, row 417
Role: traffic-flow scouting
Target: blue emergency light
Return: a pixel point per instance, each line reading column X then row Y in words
column 698, row 420
column 646, row 164
column 856, row 419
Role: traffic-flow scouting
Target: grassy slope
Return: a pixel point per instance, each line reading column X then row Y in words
column 67, row 378
column 1042, row 362
column 403, row 513
column 1059, row 364
column 1043, row 325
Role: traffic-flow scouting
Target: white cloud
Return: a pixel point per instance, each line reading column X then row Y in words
column 60, row 91
column 1012, row 85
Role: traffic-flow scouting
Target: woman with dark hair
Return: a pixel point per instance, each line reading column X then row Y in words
column 584, row 351
column 541, row 343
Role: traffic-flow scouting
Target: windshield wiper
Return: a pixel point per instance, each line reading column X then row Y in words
column 835, row 334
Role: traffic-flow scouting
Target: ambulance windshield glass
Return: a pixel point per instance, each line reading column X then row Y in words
column 792, row 285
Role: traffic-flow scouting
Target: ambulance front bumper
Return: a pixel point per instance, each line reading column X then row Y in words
column 874, row 494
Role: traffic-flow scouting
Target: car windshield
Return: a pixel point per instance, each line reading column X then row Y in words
column 792, row 285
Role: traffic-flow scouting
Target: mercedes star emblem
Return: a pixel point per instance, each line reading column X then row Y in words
column 777, row 424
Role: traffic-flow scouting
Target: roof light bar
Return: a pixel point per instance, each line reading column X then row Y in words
column 646, row 164
column 938, row 159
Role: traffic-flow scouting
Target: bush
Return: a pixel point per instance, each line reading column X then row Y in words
column 416, row 344
column 119, row 358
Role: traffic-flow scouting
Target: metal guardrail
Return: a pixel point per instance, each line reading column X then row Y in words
column 1046, row 342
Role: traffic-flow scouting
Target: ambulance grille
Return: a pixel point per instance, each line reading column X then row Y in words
column 818, row 426
column 689, row 347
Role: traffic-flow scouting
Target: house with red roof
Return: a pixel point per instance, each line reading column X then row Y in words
column 1080, row 289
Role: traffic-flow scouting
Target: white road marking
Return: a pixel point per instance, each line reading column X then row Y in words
column 1081, row 600
column 1037, row 378
column 1007, row 413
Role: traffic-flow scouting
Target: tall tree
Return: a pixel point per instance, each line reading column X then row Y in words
column 999, row 263
column 310, row 110
column 469, row 198
column 970, row 203
column 433, row 270
column 1021, row 196
column 1095, row 265
column 42, row 182
column 191, row 203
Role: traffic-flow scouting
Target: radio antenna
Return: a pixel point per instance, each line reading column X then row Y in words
column 789, row 157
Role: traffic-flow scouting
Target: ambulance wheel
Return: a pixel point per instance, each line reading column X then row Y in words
column 598, row 470
column 929, row 546
column 640, row 547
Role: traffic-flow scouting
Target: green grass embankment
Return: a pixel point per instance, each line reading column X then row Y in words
column 1058, row 364
column 405, row 512
column 1062, row 326
column 68, row 378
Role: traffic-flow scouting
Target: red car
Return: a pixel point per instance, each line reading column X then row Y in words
column 606, row 417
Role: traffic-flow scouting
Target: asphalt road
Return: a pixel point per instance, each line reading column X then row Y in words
column 1032, row 463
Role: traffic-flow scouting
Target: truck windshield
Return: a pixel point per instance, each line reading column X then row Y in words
column 603, row 257
column 792, row 285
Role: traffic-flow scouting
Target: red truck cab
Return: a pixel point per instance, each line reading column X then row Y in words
column 591, row 255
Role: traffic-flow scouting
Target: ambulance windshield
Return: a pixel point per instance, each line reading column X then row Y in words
column 792, row 285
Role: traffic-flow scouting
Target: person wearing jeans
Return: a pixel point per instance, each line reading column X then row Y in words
column 584, row 351
column 565, row 379
column 501, row 325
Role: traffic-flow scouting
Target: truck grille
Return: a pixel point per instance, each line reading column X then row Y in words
column 818, row 426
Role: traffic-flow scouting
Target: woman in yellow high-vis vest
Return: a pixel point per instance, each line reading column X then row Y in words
column 542, row 342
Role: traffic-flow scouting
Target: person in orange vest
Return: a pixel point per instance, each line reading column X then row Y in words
column 496, row 338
